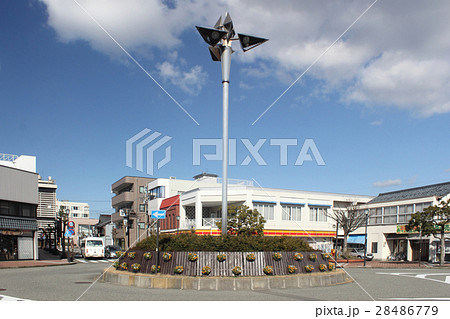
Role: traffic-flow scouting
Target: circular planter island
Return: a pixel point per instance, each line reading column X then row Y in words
column 205, row 270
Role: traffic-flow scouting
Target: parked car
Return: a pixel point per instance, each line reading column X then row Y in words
column 110, row 251
column 359, row 253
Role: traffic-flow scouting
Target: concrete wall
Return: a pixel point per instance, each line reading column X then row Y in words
column 18, row 186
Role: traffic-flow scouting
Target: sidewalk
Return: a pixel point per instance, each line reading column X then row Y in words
column 45, row 259
column 389, row 264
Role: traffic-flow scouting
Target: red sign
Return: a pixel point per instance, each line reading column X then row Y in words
column 71, row 224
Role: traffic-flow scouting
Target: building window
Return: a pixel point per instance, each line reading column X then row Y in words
column 74, row 207
column 141, row 225
column 390, row 215
column 376, row 216
column 318, row 214
column 267, row 210
column 190, row 212
column 421, row 206
column 75, row 215
column 405, row 212
column 142, row 189
column 374, row 248
column 157, row 192
column 291, row 212
column 142, row 208
column 85, row 216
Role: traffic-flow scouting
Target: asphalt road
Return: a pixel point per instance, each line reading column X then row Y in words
column 74, row 282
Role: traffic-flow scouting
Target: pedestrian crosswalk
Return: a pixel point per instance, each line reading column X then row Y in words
column 94, row 261
column 8, row 298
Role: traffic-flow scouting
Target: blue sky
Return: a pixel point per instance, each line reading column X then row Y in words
column 376, row 104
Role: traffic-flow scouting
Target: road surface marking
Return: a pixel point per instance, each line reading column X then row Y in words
column 421, row 276
column 81, row 261
column 8, row 298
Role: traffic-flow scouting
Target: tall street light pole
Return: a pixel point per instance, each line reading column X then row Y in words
column 219, row 39
column 365, row 239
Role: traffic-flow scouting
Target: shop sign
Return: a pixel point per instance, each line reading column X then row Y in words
column 401, row 229
column 11, row 232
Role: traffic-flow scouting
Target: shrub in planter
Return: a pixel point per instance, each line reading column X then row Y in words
column 167, row 257
column 322, row 267
column 221, row 257
column 206, row 270
column 250, row 257
column 330, row 266
column 148, row 256
column 124, row 266
column 298, row 257
column 136, row 267
column 268, row 270
column 292, row 269
column 313, row 257
column 116, row 264
column 237, row 270
column 309, row 268
column 192, row 257
column 326, row 256
column 276, row 256
column 119, row 254
column 178, row 269
column 131, row 255
column 153, row 269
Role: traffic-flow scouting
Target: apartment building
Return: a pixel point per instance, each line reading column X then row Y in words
column 47, row 208
column 74, row 209
column 129, row 196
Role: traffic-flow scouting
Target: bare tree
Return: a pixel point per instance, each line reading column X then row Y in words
column 349, row 220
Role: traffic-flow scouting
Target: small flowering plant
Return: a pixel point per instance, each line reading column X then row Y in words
column 309, row 268
column 237, row 270
column 119, row 254
column 250, row 257
column 167, row 256
column 292, row 269
column 136, row 267
column 221, row 257
column 276, row 256
column 116, row 264
column 330, row 266
column 298, row 257
column 148, row 256
column 326, row 256
column 268, row 270
column 178, row 269
column 206, row 270
column 322, row 267
column 124, row 266
column 192, row 257
column 153, row 269
column 313, row 257
column 131, row 255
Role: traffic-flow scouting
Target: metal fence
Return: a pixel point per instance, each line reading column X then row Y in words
column 224, row 268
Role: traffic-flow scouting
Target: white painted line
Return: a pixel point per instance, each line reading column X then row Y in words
column 103, row 261
column 8, row 298
column 93, row 261
column 424, row 298
column 81, row 261
column 447, row 279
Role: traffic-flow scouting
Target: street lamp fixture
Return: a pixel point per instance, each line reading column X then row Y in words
column 219, row 39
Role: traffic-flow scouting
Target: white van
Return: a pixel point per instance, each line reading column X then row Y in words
column 93, row 247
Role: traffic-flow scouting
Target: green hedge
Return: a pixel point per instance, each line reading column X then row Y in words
column 192, row 242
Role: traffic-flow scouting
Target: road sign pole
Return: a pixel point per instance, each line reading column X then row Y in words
column 157, row 245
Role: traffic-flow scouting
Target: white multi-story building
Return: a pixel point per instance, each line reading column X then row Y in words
column 297, row 213
column 74, row 209
column 388, row 215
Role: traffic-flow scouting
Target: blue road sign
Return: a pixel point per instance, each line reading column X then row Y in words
column 159, row 214
column 68, row 234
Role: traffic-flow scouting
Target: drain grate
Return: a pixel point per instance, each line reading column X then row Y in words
column 83, row 282
column 2, row 289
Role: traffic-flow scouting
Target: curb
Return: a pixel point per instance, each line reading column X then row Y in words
column 37, row 266
column 224, row 283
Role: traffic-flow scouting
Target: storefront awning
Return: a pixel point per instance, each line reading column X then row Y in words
column 18, row 223
column 396, row 236
column 356, row 239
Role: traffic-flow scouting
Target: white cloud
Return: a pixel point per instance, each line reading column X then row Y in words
column 396, row 55
column 376, row 123
column 387, row 183
column 190, row 81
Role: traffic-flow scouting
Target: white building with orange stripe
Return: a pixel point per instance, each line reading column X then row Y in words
column 196, row 205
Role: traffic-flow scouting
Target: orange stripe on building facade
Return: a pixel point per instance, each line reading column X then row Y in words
column 293, row 233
